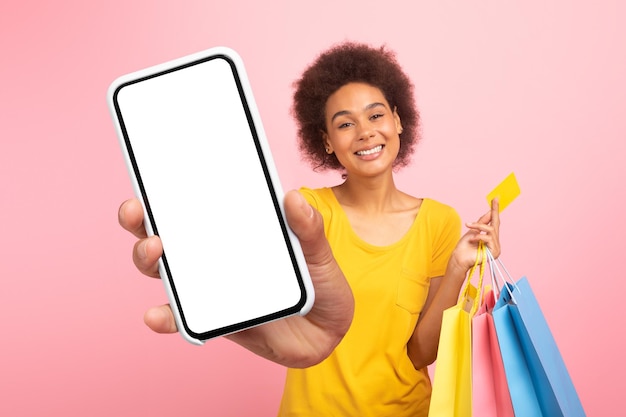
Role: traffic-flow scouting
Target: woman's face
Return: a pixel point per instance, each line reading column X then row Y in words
column 362, row 130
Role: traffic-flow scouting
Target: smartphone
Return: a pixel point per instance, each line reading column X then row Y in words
column 201, row 165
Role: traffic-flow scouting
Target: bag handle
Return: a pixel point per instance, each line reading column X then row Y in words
column 495, row 285
column 496, row 274
column 480, row 264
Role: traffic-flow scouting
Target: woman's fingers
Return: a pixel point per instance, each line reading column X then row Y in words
column 160, row 319
column 130, row 217
column 147, row 250
column 487, row 229
column 146, row 254
column 495, row 213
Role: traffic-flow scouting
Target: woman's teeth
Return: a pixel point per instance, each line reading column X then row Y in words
column 370, row 151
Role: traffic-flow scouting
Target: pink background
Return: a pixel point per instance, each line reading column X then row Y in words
column 533, row 87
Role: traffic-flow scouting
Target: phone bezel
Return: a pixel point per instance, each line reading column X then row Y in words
column 263, row 152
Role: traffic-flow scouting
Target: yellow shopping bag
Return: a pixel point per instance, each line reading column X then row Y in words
column 452, row 385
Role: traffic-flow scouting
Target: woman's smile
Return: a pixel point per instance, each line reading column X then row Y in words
column 370, row 153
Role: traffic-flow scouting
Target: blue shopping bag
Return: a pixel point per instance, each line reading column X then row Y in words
column 538, row 380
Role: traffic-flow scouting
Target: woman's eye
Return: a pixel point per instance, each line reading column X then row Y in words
column 343, row 125
column 376, row 116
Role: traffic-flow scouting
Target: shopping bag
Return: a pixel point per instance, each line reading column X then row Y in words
column 452, row 381
column 538, row 380
column 490, row 393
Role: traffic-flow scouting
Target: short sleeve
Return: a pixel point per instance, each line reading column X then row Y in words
column 446, row 233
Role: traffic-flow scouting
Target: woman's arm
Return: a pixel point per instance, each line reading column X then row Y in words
column 444, row 291
column 295, row 341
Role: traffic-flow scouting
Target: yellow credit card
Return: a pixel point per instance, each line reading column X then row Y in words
column 506, row 192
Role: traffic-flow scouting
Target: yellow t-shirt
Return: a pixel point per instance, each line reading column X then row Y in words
column 370, row 373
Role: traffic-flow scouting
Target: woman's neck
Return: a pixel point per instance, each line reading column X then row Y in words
column 378, row 212
column 374, row 195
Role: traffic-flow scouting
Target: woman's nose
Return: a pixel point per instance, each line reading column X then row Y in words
column 366, row 130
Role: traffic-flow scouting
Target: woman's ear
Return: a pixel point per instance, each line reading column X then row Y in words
column 396, row 118
column 326, row 142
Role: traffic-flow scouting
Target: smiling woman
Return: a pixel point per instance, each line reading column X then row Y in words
column 400, row 254
column 384, row 264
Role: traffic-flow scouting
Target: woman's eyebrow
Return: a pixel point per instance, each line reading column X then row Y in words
column 346, row 112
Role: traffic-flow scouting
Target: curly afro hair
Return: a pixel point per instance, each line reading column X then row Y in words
column 342, row 64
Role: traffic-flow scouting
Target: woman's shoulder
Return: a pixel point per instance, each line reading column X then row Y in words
column 433, row 209
column 324, row 201
column 437, row 205
column 320, row 198
column 320, row 193
column 317, row 195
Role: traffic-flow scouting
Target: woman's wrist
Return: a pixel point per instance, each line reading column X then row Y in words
column 456, row 271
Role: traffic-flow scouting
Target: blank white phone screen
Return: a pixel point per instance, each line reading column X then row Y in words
column 208, row 197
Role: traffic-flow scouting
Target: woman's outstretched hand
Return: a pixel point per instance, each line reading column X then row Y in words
column 294, row 341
